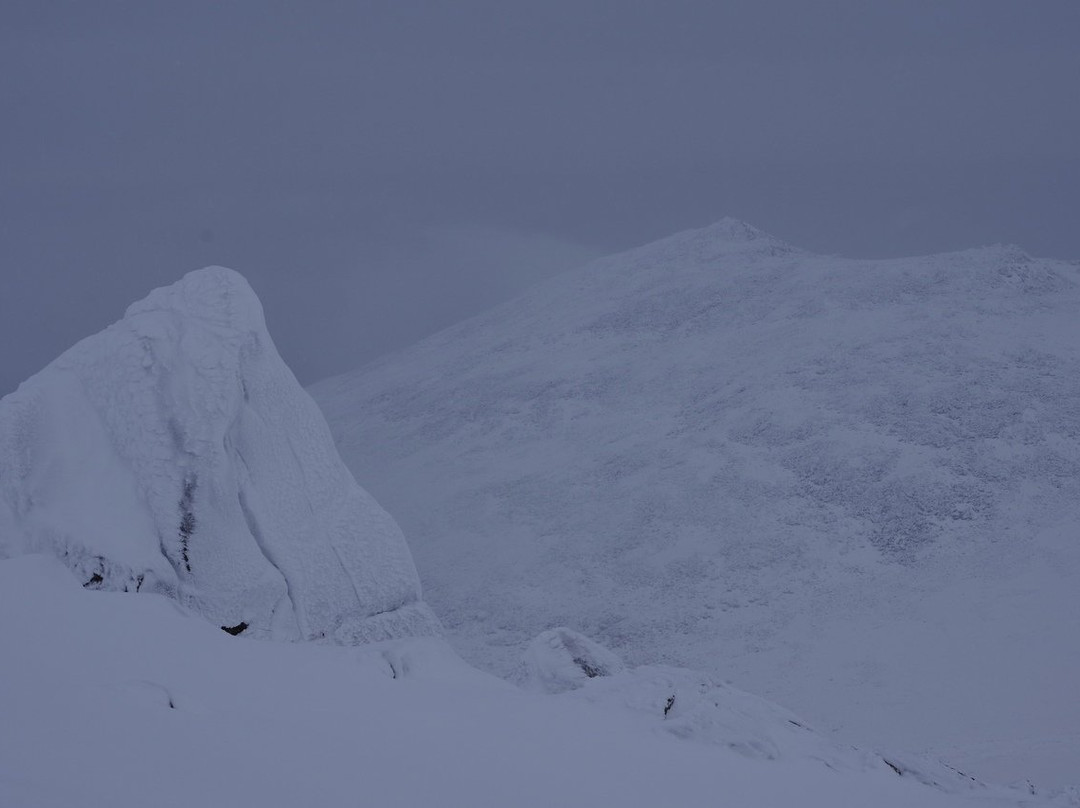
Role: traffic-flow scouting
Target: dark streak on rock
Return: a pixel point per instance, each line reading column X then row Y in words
column 95, row 581
column 187, row 518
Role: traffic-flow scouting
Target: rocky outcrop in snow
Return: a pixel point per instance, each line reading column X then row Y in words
column 175, row 452
column 561, row 659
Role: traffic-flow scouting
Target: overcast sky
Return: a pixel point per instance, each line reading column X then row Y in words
column 379, row 170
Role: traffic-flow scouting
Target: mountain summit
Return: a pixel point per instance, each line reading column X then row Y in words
column 175, row 453
column 849, row 484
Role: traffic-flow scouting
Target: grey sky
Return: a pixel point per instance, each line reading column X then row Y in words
column 379, row 170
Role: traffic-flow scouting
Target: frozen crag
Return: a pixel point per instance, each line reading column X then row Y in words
column 175, row 453
column 561, row 659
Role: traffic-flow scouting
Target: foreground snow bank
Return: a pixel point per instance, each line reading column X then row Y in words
column 175, row 453
column 121, row 701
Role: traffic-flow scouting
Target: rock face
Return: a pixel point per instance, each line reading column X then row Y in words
column 562, row 659
column 176, row 453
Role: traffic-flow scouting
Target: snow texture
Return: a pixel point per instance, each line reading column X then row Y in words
column 849, row 485
column 175, row 453
column 108, row 699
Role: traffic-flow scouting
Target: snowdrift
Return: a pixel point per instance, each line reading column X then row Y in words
column 126, row 701
column 176, row 453
column 848, row 485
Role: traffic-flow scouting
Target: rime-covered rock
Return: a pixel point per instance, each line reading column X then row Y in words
column 561, row 659
column 175, row 452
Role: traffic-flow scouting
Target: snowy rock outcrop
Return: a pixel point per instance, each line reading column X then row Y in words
column 176, row 453
column 561, row 659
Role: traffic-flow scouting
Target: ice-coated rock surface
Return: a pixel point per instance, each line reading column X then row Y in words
column 175, row 452
column 561, row 659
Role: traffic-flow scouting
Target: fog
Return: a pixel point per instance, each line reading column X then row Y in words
column 381, row 170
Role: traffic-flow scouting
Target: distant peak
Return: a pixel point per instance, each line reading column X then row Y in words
column 736, row 230
column 725, row 237
column 728, row 233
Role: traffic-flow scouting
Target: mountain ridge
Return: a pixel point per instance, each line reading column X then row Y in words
column 708, row 451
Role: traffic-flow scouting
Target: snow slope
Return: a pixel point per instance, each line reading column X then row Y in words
column 111, row 699
column 175, row 452
column 851, row 486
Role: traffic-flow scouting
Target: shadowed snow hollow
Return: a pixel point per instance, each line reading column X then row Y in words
column 175, row 452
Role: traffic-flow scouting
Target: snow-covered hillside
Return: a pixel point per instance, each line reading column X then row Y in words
column 112, row 699
column 851, row 486
column 175, row 453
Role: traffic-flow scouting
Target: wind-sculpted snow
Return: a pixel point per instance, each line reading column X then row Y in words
column 175, row 452
column 109, row 700
column 722, row 452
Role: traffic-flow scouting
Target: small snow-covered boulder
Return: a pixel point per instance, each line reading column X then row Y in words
column 176, row 453
column 561, row 659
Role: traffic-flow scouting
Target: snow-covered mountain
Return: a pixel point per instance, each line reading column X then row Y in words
column 175, row 453
column 851, row 486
